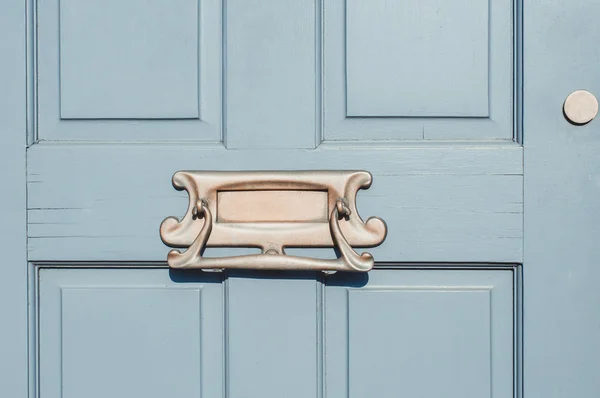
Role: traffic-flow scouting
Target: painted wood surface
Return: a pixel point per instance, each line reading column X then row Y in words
column 109, row 70
column 425, row 73
column 435, row 333
column 106, row 79
column 271, row 74
column 441, row 203
column 432, row 70
column 13, row 268
column 130, row 332
column 98, row 185
column 157, row 332
column 562, row 210
column 242, row 74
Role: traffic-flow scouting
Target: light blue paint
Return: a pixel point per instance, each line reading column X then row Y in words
column 129, row 332
column 13, row 268
column 259, row 86
column 433, row 70
column 443, row 46
column 562, row 212
column 133, row 77
column 421, row 332
column 133, row 71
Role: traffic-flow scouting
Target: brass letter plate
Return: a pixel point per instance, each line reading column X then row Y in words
column 272, row 210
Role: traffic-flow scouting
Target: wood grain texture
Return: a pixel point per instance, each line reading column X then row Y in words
column 152, row 74
column 441, row 203
column 385, row 78
column 562, row 202
column 13, row 240
column 397, row 330
column 270, row 74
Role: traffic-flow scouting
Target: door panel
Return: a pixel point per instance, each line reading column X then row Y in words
column 142, row 70
column 129, row 332
column 420, row 34
column 422, row 70
column 427, row 333
column 120, row 89
column 243, row 73
column 561, row 273
column 272, row 334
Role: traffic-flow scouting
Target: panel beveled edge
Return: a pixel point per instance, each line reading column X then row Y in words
column 504, row 121
column 46, row 124
column 65, row 234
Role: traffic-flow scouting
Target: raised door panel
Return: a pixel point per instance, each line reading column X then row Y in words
column 417, row 59
column 129, row 332
column 128, row 71
column 148, row 73
column 426, row 333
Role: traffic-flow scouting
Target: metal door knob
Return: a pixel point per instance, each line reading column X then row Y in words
column 580, row 107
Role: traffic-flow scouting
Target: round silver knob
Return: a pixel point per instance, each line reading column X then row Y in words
column 580, row 107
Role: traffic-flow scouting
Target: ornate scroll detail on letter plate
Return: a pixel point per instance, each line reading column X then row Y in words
column 272, row 210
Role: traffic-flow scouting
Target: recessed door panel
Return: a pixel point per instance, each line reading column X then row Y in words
column 134, row 71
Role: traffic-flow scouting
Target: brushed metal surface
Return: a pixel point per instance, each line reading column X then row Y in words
column 272, row 206
column 272, row 210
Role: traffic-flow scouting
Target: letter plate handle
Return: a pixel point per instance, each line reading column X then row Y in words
column 272, row 210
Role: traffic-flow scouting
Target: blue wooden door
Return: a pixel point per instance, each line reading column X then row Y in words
column 419, row 94
column 431, row 97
